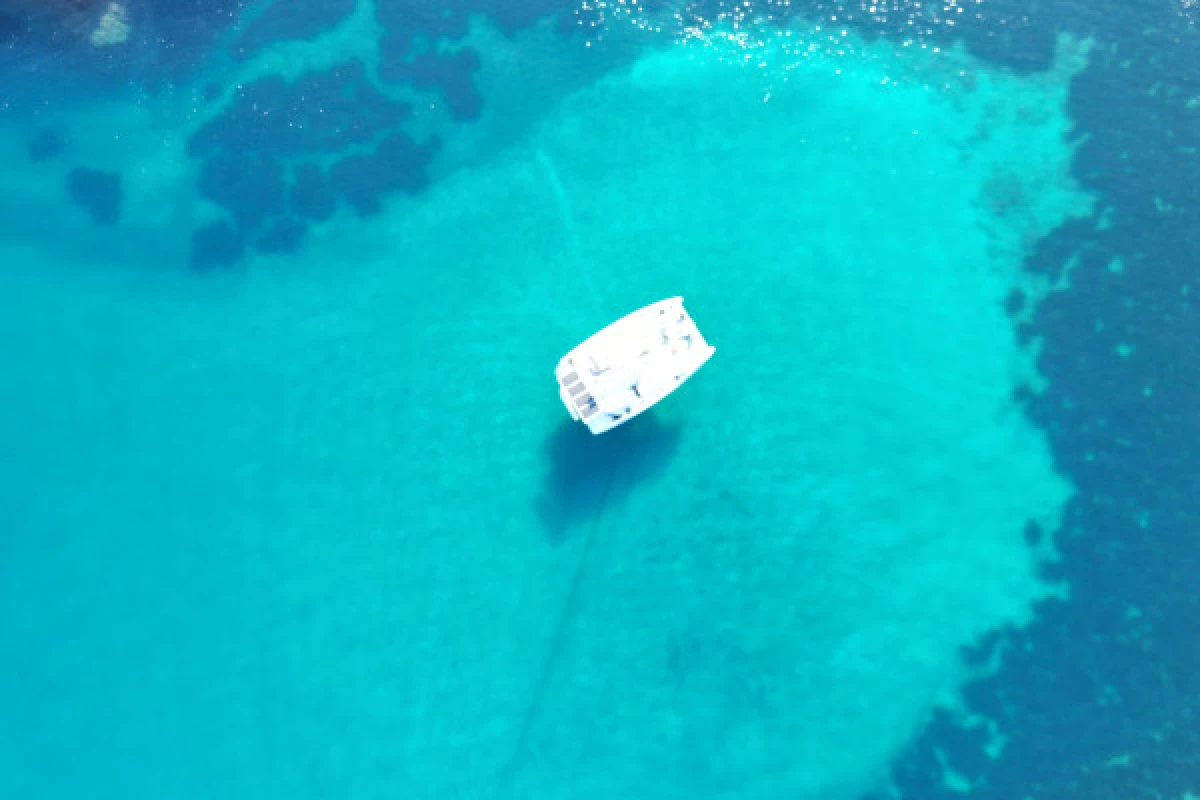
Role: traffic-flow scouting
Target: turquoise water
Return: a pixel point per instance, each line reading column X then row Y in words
column 317, row 525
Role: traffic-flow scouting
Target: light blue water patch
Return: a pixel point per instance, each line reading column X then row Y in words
column 312, row 529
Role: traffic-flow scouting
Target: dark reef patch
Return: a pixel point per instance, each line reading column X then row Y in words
column 321, row 112
column 450, row 20
column 272, row 126
column 330, row 136
column 283, row 21
column 397, row 164
column 249, row 186
column 182, row 33
column 45, row 146
column 407, row 24
column 452, row 74
column 1014, row 302
column 96, row 192
column 284, row 236
column 310, row 194
column 419, row 49
column 218, row 244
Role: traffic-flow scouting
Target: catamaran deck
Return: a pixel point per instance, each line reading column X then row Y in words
column 630, row 365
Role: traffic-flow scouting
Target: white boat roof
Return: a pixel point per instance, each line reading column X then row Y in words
column 633, row 363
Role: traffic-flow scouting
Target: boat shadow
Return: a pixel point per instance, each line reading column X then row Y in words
column 586, row 473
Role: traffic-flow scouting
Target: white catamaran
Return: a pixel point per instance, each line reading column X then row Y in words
column 625, row 368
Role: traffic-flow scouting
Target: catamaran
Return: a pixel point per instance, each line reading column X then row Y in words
column 633, row 363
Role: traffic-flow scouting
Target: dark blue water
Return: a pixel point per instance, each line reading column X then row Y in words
column 1102, row 690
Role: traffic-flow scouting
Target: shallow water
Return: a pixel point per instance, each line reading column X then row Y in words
column 294, row 510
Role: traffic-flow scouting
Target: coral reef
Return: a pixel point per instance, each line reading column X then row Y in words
column 260, row 153
column 45, row 146
column 285, row 236
column 310, row 195
column 281, row 22
column 217, row 244
column 451, row 74
column 397, row 164
column 97, row 192
column 249, row 186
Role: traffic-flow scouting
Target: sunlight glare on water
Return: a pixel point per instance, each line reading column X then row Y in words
column 916, row 21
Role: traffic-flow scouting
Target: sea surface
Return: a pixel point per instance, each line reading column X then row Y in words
column 290, row 506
